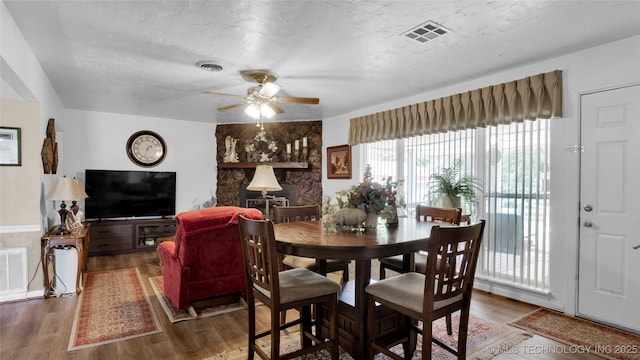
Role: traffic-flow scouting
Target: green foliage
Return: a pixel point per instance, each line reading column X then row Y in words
column 449, row 183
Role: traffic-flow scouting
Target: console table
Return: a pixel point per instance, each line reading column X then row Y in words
column 78, row 238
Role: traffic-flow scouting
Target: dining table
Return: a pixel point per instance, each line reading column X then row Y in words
column 314, row 239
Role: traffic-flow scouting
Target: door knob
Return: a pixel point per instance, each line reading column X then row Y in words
column 636, row 247
column 588, row 223
column 588, row 208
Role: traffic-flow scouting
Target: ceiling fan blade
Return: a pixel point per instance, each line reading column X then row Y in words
column 222, row 94
column 269, row 89
column 228, row 107
column 298, row 100
column 277, row 109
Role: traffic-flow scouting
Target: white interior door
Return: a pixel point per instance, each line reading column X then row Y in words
column 609, row 275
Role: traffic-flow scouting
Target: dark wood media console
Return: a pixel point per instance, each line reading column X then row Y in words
column 109, row 237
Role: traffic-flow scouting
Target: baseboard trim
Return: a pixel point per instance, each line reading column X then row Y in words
column 22, row 296
column 530, row 296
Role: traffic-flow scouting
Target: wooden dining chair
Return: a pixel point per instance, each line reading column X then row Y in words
column 283, row 214
column 426, row 297
column 423, row 213
column 283, row 290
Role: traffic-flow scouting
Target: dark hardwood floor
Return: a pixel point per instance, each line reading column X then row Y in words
column 40, row 328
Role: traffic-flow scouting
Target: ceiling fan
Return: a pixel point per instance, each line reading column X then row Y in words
column 261, row 99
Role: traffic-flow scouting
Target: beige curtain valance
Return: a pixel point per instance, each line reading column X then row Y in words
column 534, row 97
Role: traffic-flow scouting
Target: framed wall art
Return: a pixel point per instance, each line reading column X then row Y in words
column 10, row 152
column 339, row 162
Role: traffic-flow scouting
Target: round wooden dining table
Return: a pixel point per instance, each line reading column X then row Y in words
column 311, row 239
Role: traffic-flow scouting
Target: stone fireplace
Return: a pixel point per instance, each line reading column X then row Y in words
column 301, row 185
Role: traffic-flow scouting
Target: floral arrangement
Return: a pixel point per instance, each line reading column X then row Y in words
column 369, row 195
column 261, row 148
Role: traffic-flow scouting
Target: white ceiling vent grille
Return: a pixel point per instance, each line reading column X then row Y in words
column 426, row 32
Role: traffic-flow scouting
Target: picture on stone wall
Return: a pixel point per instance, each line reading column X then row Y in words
column 339, row 162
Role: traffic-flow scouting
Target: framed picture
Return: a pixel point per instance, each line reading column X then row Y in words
column 339, row 162
column 10, row 146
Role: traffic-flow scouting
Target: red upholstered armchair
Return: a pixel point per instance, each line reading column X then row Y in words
column 206, row 258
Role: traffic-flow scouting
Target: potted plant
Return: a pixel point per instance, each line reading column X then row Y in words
column 449, row 187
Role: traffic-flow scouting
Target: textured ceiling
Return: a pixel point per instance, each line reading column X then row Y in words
column 138, row 57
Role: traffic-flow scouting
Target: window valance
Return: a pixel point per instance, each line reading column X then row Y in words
column 534, row 97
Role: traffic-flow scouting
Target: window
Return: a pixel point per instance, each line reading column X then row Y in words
column 512, row 164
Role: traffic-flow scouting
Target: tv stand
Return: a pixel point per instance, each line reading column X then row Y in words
column 110, row 237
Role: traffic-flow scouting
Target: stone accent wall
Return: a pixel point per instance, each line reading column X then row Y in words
column 308, row 181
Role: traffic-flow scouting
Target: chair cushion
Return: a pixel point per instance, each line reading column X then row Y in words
column 407, row 291
column 298, row 284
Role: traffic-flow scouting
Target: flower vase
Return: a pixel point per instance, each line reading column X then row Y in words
column 372, row 221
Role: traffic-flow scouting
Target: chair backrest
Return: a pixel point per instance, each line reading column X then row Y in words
column 448, row 215
column 206, row 231
column 295, row 213
column 459, row 247
column 261, row 261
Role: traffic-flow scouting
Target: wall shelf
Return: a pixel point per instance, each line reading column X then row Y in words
column 276, row 165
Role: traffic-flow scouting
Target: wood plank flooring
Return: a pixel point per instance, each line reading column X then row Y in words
column 40, row 328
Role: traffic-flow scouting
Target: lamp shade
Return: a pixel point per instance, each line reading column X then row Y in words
column 66, row 189
column 264, row 180
column 258, row 110
column 79, row 189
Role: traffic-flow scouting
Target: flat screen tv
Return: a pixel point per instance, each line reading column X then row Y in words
column 124, row 194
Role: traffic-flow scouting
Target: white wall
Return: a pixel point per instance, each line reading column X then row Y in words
column 21, row 71
column 610, row 65
column 97, row 140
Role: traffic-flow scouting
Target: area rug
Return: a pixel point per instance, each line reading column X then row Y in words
column 483, row 337
column 581, row 335
column 193, row 311
column 112, row 307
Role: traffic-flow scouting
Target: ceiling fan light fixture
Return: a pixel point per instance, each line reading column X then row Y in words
column 267, row 111
column 257, row 111
column 253, row 110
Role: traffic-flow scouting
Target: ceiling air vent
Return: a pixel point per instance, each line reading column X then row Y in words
column 208, row 66
column 426, row 32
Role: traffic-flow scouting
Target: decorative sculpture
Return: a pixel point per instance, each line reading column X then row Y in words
column 349, row 217
column 230, row 155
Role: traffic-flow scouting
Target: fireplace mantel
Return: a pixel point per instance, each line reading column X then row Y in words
column 275, row 165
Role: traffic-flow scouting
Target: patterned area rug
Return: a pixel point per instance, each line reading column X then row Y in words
column 583, row 335
column 484, row 336
column 113, row 306
column 195, row 311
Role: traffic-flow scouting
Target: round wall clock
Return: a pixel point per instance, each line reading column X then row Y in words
column 146, row 148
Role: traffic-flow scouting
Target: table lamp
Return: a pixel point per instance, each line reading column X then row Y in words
column 77, row 215
column 264, row 180
column 65, row 189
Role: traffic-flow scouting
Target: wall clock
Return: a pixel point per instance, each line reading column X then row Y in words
column 146, row 148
